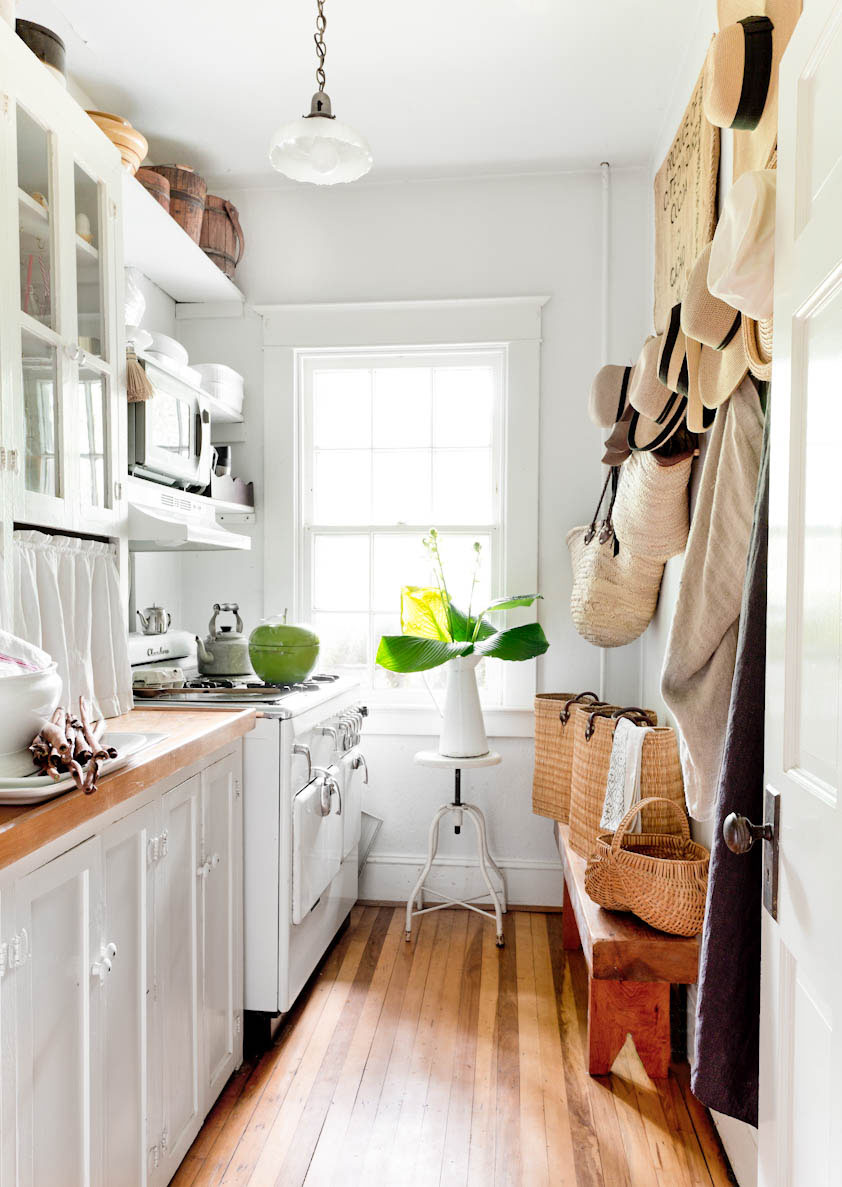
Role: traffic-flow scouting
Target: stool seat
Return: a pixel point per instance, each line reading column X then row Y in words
column 432, row 758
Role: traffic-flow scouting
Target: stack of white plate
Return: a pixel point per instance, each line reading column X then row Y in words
column 223, row 383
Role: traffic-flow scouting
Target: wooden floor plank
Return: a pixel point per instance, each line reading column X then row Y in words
column 450, row 1062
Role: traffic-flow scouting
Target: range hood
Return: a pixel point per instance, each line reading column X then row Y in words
column 165, row 520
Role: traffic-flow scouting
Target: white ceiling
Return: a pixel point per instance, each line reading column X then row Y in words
column 439, row 87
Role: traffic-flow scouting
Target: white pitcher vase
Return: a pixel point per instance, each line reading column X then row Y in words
column 463, row 729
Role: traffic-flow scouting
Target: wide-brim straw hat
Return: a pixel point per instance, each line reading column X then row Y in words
column 757, row 342
column 658, row 412
column 617, row 447
column 716, row 359
column 608, row 397
column 741, row 74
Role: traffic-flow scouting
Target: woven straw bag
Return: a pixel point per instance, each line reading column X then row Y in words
column 554, row 752
column 614, row 592
column 652, row 511
column 661, row 878
column 660, row 775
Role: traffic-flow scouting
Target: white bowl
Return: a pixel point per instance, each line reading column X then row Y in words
column 163, row 344
column 26, row 702
column 219, row 373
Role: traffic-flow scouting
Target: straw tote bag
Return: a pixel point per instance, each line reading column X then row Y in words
column 554, row 751
column 652, row 511
column 661, row 878
column 660, row 775
column 614, row 592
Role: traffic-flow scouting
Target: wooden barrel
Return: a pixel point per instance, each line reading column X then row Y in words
column 187, row 197
column 222, row 236
column 155, row 184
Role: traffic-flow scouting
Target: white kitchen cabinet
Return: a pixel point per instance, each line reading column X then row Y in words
column 121, row 988
column 128, row 925
column 58, row 1021
column 221, row 913
column 63, row 418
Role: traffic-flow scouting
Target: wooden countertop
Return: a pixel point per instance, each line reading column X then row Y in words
column 190, row 735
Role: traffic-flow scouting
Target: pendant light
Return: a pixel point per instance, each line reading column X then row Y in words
column 317, row 148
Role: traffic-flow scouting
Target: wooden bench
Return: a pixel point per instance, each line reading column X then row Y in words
column 631, row 967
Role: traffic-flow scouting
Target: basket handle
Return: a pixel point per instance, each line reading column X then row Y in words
column 564, row 715
column 638, row 716
column 622, row 827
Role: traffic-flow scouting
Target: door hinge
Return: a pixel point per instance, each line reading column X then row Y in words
column 154, row 1156
column 237, row 789
column 112, row 208
column 238, row 1023
column 11, row 463
column 157, row 848
column 19, row 950
column 4, row 955
column 165, row 1137
column 118, row 491
column 5, row 105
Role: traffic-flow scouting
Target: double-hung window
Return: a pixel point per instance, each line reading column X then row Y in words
column 392, row 444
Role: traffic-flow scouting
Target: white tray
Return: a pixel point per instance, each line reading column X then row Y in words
column 33, row 789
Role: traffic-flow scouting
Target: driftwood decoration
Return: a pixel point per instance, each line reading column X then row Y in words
column 685, row 204
column 69, row 745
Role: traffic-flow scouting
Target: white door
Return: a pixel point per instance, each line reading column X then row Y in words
column 177, row 970
column 58, row 1007
column 221, row 915
column 125, row 937
column 800, row 1135
column 351, row 767
column 316, row 842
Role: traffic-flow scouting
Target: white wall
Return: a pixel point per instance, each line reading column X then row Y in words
column 469, row 238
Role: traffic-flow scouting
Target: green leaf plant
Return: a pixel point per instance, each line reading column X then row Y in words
column 434, row 630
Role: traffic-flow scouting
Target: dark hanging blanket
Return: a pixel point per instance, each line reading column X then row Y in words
column 728, row 1010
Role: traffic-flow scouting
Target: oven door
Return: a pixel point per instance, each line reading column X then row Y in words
column 352, row 785
column 169, row 434
column 317, row 823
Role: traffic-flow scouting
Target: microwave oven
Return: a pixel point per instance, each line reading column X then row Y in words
column 170, row 433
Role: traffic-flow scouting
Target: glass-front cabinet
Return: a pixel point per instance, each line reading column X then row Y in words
column 62, row 355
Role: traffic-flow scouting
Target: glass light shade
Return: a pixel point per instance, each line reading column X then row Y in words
column 320, row 150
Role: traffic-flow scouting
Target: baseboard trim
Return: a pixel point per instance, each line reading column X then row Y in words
column 527, row 908
column 389, row 877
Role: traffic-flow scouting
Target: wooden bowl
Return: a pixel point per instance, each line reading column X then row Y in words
column 98, row 116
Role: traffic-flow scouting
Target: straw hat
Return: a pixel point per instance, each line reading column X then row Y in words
column 716, row 360
column 658, row 411
column 672, row 357
column 617, row 447
column 741, row 74
column 608, row 398
column 742, row 262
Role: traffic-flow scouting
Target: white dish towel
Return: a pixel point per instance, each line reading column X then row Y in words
column 622, row 787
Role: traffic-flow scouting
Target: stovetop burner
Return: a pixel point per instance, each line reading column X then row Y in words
column 232, row 688
column 254, row 686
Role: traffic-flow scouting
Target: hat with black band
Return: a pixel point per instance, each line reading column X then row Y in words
column 658, row 410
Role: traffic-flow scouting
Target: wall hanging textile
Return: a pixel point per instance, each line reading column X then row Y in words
column 660, row 878
column 685, row 203
column 554, row 752
column 67, row 601
column 622, row 786
column 614, row 593
column 593, row 739
column 699, row 660
column 725, row 1072
column 741, row 74
column 652, row 511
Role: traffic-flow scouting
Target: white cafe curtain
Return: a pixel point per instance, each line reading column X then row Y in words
column 67, row 601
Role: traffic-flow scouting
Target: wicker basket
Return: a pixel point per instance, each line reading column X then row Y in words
column 554, row 752
column 593, row 738
column 661, row 878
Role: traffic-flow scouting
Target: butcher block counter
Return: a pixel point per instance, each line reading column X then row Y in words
column 190, row 735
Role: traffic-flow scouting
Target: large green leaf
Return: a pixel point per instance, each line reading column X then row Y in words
column 513, row 603
column 423, row 613
column 407, row 653
column 516, row 643
column 463, row 627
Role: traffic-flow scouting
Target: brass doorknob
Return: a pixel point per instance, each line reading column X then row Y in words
column 740, row 834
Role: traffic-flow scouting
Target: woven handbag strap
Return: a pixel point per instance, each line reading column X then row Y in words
column 622, row 827
column 638, row 716
column 564, row 715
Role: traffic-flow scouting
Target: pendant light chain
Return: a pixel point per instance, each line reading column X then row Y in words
column 321, row 48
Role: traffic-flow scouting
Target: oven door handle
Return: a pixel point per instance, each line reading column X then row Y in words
column 300, row 748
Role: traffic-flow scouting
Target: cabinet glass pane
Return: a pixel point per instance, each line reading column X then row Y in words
column 88, row 285
column 92, row 403
column 35, row 205
column 40, row 407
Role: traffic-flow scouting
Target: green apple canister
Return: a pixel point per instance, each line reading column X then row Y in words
column 281, row 653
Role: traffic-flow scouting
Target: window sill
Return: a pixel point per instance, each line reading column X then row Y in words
column 420, row 721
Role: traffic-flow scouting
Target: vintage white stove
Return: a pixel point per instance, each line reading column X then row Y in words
column 303, row 772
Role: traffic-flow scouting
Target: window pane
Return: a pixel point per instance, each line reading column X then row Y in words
column 341, row 409
column 342, row 487
column 402, row 406
column 459, row 560
column 402, row 486
column 340, row 573
column 40, row 410
column 398, row 561
column 344, row 640
column 462, row 486
column 464, row 405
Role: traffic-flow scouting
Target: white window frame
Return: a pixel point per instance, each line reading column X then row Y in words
column 291, row 333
